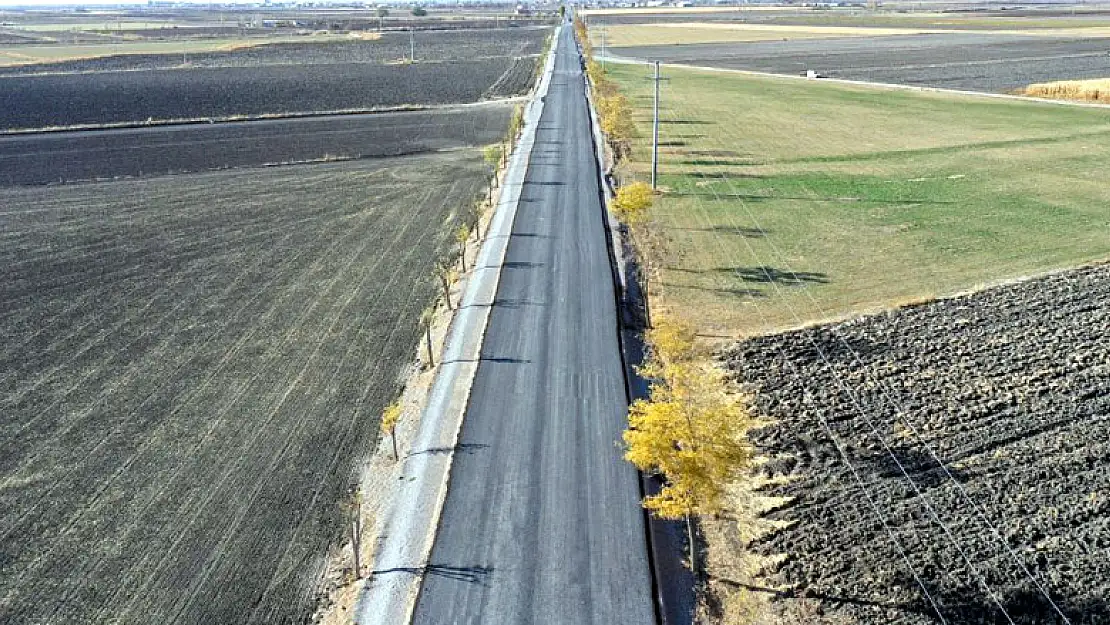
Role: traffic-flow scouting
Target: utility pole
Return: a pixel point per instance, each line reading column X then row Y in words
column 412, row 45
column 602, row 49
column 655, row 133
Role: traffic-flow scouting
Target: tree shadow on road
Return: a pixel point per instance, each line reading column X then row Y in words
column 512, row 303
column 463, row 447
column 469, row 574
column 521, row 264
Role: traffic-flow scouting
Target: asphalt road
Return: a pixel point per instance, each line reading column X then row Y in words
column 542, row 522
column 52, row 157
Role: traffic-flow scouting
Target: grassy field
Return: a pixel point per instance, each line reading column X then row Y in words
column 792, row 201
column 673, row 33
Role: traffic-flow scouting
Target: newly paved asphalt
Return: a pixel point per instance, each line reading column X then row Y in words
column 542, row 522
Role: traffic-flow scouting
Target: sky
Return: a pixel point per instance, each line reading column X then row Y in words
column 103, row 3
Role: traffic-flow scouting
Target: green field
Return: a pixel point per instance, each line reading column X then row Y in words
column 791, row 201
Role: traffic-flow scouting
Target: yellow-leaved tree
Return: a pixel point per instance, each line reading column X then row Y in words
column 617, row 123
column 632, row 202
column 690, row 429
column 390, row 416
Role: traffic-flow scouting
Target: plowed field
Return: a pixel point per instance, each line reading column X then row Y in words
column 54, row 157
column 173, row 94
column 193, row 368
column 948, row 461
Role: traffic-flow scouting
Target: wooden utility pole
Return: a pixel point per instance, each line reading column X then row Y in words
column 655, row 133
column 603, row 49
column 355, row 507
column 428, row 342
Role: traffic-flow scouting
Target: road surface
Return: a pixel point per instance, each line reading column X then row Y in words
column 542, row 522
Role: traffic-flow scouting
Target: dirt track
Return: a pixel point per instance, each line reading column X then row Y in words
column 1010, row 388
column 195, row 366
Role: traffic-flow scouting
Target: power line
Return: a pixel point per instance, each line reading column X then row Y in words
column 859, row 480
column 899, row 410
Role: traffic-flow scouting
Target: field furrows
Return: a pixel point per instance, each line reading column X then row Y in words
column 199, row 93
column 44, row 158
column 391, row 47
column 200, row 363
column 974, row 62
column 958, row 445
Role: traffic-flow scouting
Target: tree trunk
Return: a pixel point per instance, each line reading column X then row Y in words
column 355, row 541
column 693, row 546
column 462, row 257
column 393, row 439
column 428, row 342
column 446, row 291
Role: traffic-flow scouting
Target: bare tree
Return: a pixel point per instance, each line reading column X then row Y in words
column 353, row 507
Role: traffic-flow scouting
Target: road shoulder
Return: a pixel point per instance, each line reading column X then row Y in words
column 408, row 527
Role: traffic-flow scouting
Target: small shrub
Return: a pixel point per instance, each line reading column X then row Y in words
column 1086, row 90
column 632, row 202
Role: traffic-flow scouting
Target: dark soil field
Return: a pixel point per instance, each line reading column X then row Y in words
column 391, row 47
column 49, row 158
column 972, row 62
column 126, row 97
column 965, row 17
column 9, row 37
column 193, row 369
column 960, row 445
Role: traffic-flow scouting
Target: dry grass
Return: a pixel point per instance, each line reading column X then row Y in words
column 697, row 32
column 686, row 10
column 738, row 592
column 1096, row 90
column 675, row 33
column 24, row 54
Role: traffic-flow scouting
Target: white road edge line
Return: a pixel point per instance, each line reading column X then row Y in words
column 409, row 525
